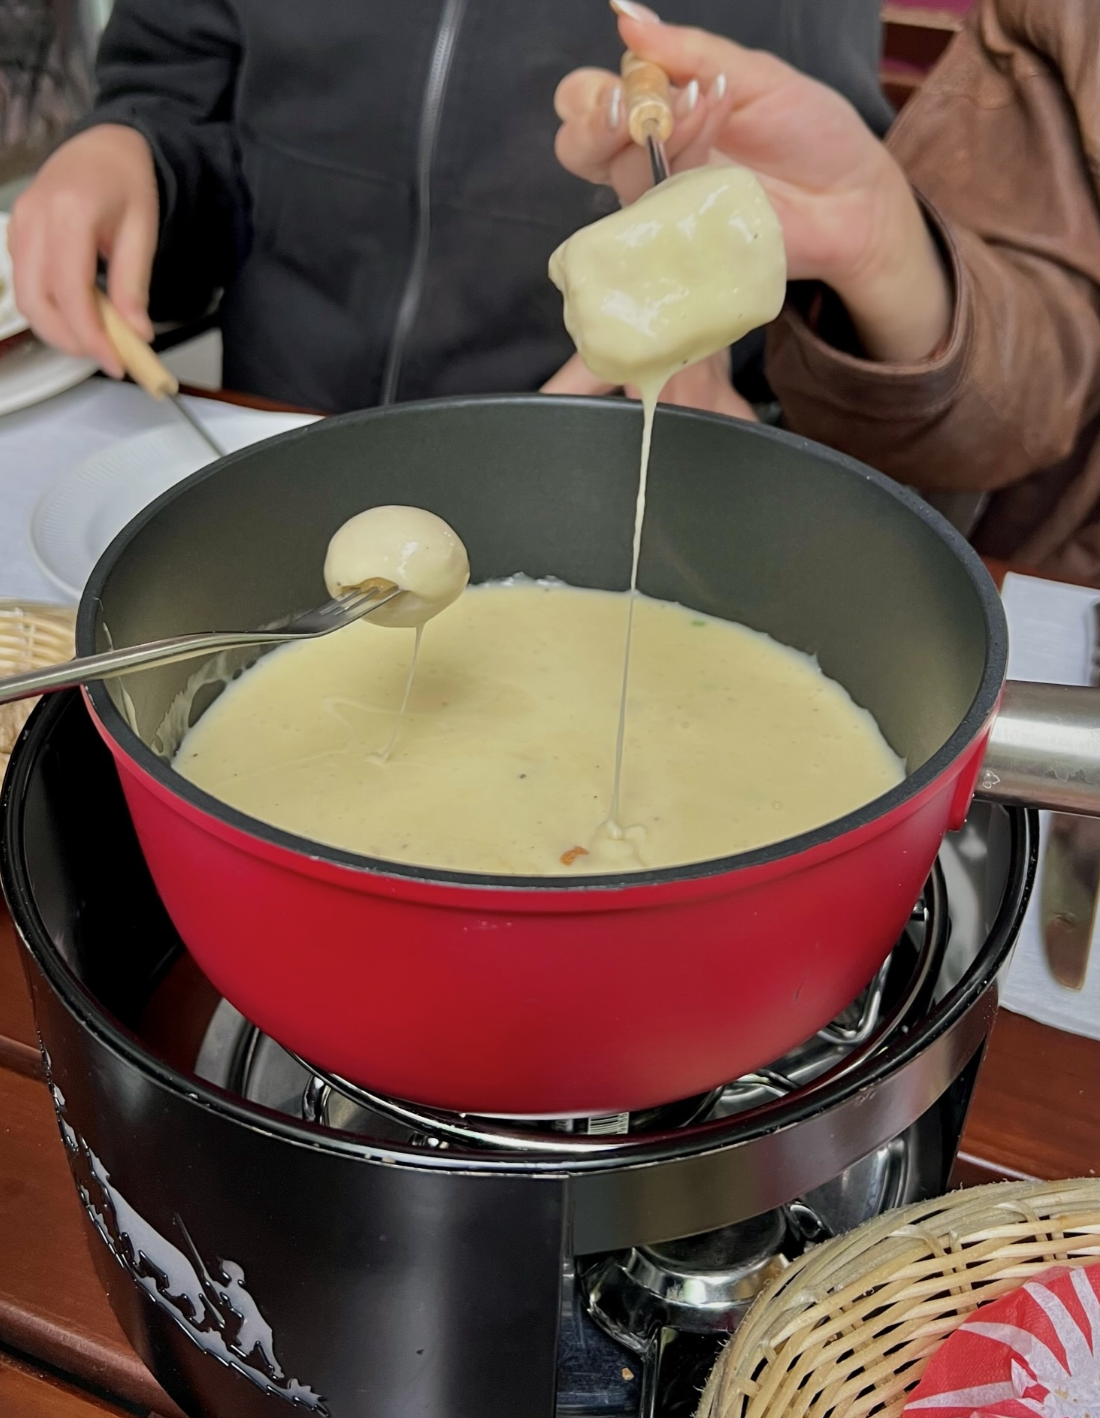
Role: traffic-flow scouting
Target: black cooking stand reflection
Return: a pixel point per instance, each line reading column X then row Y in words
column 640, row 1329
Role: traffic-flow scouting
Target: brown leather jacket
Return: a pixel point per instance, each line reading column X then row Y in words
column 1003, row 143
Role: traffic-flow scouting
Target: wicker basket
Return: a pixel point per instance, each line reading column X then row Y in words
column 849, row 1328
column 31, row 637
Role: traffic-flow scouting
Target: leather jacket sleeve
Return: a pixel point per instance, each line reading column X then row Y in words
column 1003, row 143
column 168, row 69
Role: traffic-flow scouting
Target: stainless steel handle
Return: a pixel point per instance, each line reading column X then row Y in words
column 1044, row 750
column 118, row 662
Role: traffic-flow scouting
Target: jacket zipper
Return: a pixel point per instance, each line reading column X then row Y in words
column 431, row 111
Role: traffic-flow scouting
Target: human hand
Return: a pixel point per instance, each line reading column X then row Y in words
column 96, row 196
column 849, row 216
column 705, row 386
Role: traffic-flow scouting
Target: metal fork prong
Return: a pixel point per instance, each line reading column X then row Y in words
column 339, row 611
column 356, row 603
column 339, row 608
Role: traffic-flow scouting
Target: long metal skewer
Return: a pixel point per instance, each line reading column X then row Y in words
column 657, row 161
column 144, row 368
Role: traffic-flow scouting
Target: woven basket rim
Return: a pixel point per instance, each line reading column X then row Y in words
column 849, row 1327
column 33, row 634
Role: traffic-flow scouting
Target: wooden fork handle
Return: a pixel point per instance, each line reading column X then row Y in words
column 648, row 99
column 138, row 360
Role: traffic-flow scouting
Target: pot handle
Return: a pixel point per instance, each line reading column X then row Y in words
column 1044, row 749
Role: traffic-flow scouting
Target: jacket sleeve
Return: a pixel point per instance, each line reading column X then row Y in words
column 168, row 69
column 1003, row 143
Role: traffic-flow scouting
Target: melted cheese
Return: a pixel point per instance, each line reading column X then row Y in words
column 689, row 268
column 693, row 266
column 733, row 741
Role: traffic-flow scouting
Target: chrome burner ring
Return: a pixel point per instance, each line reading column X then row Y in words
column 852, row 1045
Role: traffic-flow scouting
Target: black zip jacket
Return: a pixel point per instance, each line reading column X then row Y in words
column 374, row 185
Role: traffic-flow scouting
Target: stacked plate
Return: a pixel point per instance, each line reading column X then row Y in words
column 29, row 370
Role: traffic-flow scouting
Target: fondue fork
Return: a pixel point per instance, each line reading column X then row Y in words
column 143, row 367
column 323, row 620
column 646, row 95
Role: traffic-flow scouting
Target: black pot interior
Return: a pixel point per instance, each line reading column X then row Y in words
column 746, row 523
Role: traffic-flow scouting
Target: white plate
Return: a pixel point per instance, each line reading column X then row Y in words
column 33, row 372
column 11, row 322
column 79, row 516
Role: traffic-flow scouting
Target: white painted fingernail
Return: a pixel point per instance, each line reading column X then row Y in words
column 615, row 111
column 688, row 99
column 635, row 12
column 718, row 89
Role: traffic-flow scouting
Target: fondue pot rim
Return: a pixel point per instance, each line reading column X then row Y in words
column 606, row 1154
column 264, row 839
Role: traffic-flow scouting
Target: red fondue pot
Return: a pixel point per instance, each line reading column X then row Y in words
column 569, row 995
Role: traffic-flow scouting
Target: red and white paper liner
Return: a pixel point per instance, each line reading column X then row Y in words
column 1034, row 1353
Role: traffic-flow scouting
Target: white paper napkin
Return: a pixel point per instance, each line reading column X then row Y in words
column 1050, row 639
